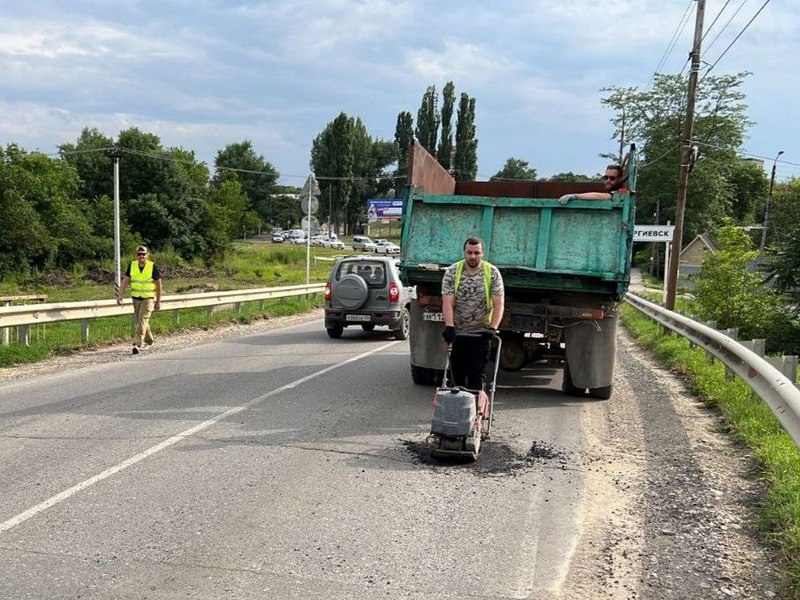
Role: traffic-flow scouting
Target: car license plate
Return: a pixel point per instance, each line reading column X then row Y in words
column 432, row 316
column 358, row 318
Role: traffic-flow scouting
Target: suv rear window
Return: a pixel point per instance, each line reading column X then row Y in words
column 373, row 272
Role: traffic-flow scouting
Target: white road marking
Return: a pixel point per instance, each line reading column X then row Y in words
column 58, row 498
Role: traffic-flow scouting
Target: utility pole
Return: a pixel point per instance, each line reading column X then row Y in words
column 686, row 153
column 768, row 209
column 116, row 154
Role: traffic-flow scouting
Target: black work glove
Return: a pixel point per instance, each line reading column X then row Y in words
column 449, row 334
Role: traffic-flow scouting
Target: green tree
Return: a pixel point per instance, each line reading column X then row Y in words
column 784, row 239
column 730, row 294
column 570, row 177
column 287, row 206
column 749, row 186
column 785, row 211
column 90, row 155
column 445, row 150
column 351, row 166
column 428, row 119
column 515, row 169
column 257, row 176
column 333, row 163
column 465, row 165
column 34, row 184
column 403, row 136
column 227, row 207
column 654, row 120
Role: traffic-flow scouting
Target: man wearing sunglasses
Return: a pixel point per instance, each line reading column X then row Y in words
column 146, row 289
column 613, row 182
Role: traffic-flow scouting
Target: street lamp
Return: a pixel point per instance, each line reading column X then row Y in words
column 768, row 209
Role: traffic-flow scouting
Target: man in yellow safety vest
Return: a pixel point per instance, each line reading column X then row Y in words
column 473, row 300
column 146, row 289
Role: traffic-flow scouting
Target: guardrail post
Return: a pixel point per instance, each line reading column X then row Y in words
column 758, row 345
column 85, row 330
column 24, row 333
column 791, row 369
column 261, row 305
column 176, row 316
column 238, row 307
column 6, row 331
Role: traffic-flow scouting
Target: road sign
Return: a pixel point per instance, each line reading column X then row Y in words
column 309, row 220
column 653, row 233
column 311, row 186
column 305, row 201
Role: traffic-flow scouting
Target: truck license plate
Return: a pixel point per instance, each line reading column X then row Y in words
column 432, row 316
column 358, row 318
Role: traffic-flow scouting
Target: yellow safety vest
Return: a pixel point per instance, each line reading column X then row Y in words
column 487, row 283
column 142, row 283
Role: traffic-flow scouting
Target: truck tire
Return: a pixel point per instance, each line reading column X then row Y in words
column 601, row 393
column 422, row 375
column 513, row 356
column 426, row 376
column 566, row 385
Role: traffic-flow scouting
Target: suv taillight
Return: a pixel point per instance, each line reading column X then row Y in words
column 328, row 291
column 394, row 292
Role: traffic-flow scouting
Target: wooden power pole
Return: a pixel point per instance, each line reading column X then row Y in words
column 686, row 153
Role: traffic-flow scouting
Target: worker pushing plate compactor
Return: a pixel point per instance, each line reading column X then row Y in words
column 462, row 417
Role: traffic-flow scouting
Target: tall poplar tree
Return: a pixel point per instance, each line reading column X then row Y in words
column 403, row 135
column 428, row 120
column 465, row 165
column 444, row 152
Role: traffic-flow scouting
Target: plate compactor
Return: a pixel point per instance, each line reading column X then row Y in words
column 462, row 417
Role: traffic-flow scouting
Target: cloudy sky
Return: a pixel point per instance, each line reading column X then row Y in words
column 203, row 74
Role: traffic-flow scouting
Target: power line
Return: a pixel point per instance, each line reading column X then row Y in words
column 710, row 27
column 671, row 45
column 724, row 27
column 737, row 37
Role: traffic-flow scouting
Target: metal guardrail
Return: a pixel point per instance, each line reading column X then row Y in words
column 24, row 316
column 772, row 386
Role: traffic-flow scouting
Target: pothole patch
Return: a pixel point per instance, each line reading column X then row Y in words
column 497, row 458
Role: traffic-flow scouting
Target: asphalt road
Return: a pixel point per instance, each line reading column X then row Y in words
column 289, row 465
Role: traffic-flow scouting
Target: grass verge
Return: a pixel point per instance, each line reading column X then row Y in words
column 750, row 422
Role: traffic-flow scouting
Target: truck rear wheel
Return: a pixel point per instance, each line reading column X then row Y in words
column 601, row 393
column 566, row 385
column 425, row 376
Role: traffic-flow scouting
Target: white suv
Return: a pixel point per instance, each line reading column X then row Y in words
column 362, row 242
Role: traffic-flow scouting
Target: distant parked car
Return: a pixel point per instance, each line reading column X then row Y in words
column 367, row 291
column 277, row 237
column 385, row 247
column 296, row 236
column 362, row 242
column 332, row 243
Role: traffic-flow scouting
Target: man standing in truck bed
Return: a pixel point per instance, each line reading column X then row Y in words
column 472, row 302
column 614, row 181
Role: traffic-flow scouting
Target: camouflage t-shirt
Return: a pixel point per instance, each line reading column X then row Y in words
column 469, row 306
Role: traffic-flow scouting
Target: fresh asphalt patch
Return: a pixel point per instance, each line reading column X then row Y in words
column 497, row 459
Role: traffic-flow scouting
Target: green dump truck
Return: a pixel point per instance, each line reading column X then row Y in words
column 565, row 268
